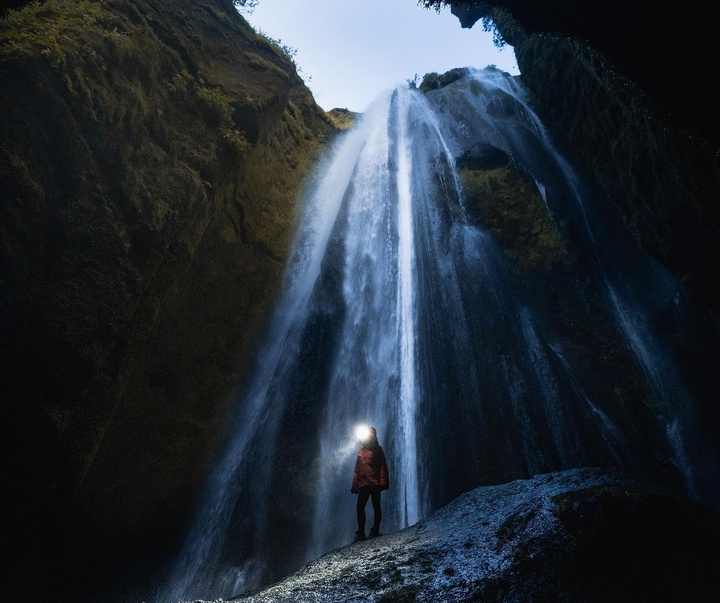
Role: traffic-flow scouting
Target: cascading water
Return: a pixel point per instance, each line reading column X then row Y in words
column 399, row 311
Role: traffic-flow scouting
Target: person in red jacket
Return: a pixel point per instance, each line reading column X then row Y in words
column 369, row 480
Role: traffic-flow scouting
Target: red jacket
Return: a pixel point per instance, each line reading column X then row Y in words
column 370, row 469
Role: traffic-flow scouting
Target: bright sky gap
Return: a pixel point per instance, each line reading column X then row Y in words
column 349, row 51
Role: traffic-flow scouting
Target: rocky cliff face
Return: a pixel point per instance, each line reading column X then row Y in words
column 655, row 49
column 609, row 79
column 151, row 155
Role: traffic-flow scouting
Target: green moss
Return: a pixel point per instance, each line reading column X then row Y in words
column 262, row 64
column 509, row 204
column 631, row 498
column 476, row 87
column 663, row 180
column 430, row 81
column 434, row 81
column 341, row 118
column 151, row 155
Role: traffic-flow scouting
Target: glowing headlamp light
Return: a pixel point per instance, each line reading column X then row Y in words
column 362, row 433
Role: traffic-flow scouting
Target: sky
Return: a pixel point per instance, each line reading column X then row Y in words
column 350, row 51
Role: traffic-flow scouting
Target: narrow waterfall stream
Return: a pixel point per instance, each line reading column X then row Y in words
column 400, row 311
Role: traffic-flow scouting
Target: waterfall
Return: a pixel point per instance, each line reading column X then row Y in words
column 636, row 289
column 399, row 311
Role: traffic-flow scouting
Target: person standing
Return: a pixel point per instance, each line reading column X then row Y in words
column 370, row 478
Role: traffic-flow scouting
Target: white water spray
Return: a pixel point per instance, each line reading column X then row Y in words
column 399, row 313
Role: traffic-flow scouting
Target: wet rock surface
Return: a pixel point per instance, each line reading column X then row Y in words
column 601, row 74
column 578, row 535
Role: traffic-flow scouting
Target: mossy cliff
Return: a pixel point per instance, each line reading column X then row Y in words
column 607, row 83
column 151, row 156
column 665, row 181
column 550, row 276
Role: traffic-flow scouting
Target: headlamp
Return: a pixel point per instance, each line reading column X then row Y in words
column 362, row 433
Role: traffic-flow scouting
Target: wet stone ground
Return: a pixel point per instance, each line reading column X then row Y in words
column 578, row 535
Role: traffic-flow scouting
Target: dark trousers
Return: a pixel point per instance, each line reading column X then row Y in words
column 363, row 495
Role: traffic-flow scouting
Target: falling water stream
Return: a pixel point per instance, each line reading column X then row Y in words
column 400, row 312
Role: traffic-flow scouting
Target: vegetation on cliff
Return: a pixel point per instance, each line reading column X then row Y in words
column 151, row 156
column 644, row 138
column 664, row 180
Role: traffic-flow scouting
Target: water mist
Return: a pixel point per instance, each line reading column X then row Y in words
column 400, row 311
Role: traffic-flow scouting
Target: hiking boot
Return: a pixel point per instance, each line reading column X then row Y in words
column 374, row 532
column 359, row 536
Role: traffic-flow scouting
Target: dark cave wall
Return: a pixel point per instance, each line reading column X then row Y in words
column 151, row 155
column 665, row 180
column 656, row 47
column 609, row 81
